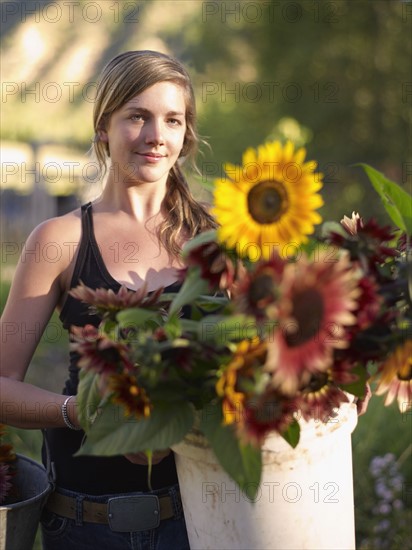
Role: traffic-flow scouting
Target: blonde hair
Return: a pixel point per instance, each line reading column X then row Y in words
column 124, row 77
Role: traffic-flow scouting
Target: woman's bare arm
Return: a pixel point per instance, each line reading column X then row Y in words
column 35, row 292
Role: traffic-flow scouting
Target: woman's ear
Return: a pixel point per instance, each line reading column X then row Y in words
column 102, row 134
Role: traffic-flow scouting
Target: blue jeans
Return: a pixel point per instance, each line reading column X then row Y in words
column 59, row 533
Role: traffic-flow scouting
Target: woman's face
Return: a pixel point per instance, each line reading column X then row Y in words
column 145, row 136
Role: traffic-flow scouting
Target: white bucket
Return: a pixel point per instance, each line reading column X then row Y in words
column 305, row 499
column 19, row 521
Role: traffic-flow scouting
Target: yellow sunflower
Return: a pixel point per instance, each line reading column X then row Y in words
column 269, row 202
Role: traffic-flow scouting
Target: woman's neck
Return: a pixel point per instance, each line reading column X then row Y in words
column 141, row 202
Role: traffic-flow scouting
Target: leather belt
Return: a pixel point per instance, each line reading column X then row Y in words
column 124, row 513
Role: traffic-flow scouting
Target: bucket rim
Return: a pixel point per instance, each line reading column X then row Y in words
column 39, row 496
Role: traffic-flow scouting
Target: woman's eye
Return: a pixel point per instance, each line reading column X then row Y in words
column 175, row 121
column 137, row 117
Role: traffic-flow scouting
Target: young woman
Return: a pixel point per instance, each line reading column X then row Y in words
column 145, row 124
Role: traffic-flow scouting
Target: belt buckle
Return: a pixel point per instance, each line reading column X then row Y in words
column 133, row 513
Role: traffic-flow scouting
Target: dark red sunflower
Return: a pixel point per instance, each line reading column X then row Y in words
column 369, row 303
column 321, row 397
column 98, row 352
column 7, row 466
column 316, row 305
column 367, row 242
column 216, row 265
column 268, row 412
column 105, row 300
column 257, row 293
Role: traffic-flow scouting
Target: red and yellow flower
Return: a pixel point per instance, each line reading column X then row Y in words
column 316, row 304
column 106, row 300
column 128, row 394
column 232, row 384
column 216, row 266
column 98, row 352
column 395, row 377
column 257, row 293
column 270, row 411
column 320, row 398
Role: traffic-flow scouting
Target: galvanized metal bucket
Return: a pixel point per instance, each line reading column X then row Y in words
column 19, row 521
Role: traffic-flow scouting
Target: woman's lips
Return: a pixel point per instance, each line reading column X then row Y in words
column 152, row 157
column 155, row 155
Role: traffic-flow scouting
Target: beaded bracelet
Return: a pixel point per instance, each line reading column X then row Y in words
column 66, row 418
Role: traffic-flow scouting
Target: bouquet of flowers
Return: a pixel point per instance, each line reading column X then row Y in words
column 279, row 326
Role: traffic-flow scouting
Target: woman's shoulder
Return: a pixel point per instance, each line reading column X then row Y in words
column 47, row 257
column 55, row 241
column 59, row 228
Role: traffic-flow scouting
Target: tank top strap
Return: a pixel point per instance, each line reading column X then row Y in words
column 87, row 239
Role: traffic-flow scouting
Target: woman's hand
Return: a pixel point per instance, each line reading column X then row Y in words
column 141, row 458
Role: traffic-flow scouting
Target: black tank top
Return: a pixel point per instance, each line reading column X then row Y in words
column 90, row 474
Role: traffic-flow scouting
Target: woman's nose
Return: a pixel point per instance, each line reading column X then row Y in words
column 154, row 133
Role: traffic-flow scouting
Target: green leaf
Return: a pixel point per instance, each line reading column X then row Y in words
column 135, row 317
column 192, row 288
column 396, row 200
column 210, row 303
column 149, row 455
column 292, row 434
column 223, row 329
column 115, row 434
column 172, row 426
column 243, row 463
column 173, row 327
column 109, row 327
column 329, row 227
column 189, row 325
column 88, row 397
column 358, row 387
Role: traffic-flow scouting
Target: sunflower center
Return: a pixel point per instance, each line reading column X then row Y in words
column 267, row 201
column 267, row 409
column 110, row 355
column 308, row 311
column 317, row 382
column 262, row 291
column 405, row 372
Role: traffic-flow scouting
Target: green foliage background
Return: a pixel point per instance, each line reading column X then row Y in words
column 334, row 76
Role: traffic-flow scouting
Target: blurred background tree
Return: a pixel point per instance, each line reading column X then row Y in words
column 333, row 76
